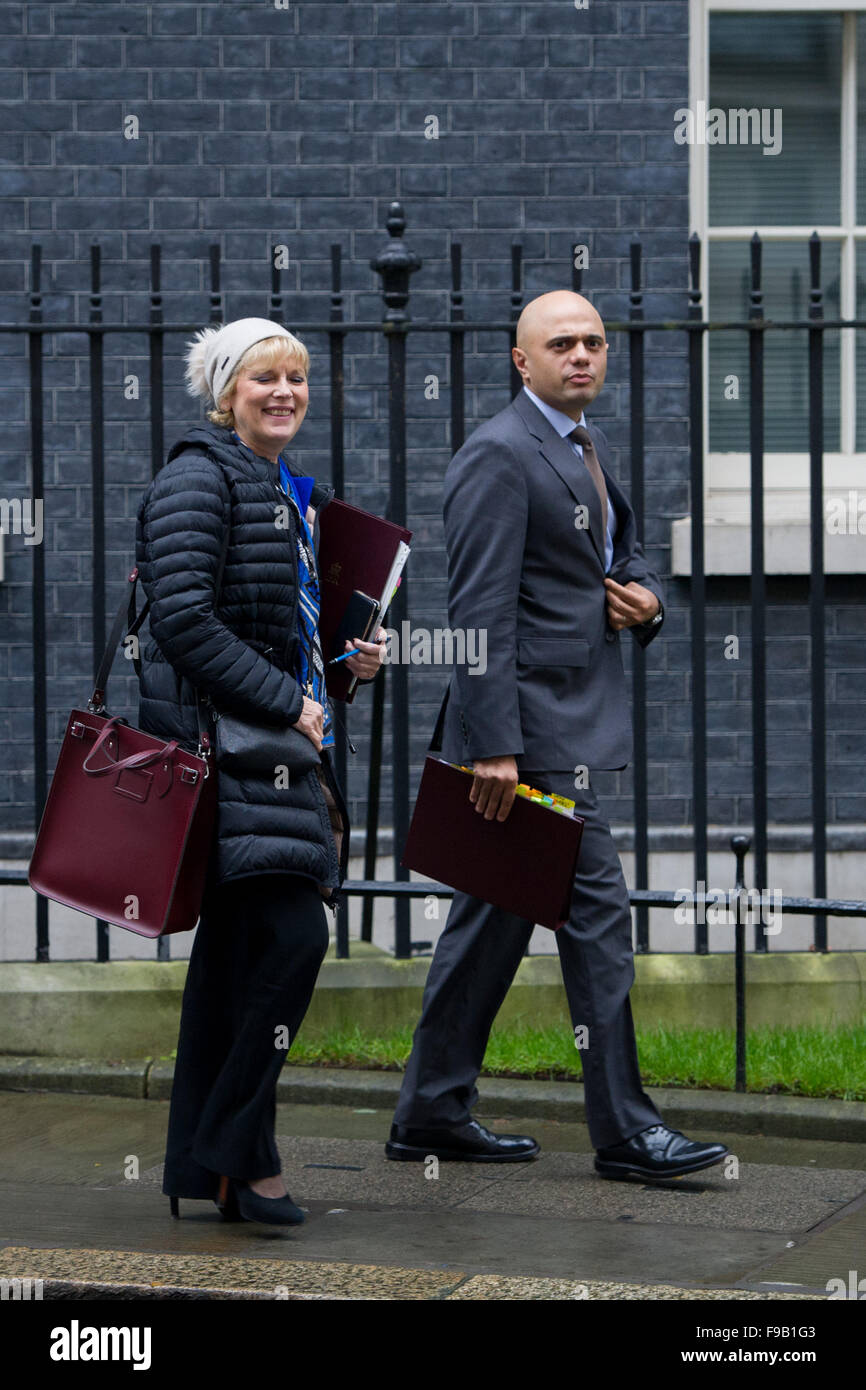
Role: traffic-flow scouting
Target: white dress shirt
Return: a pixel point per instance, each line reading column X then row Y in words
column 563, row 424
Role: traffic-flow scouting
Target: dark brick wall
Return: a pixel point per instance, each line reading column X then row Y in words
column 259, row 125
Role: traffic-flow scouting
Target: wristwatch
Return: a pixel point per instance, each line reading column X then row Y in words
column 654, row 622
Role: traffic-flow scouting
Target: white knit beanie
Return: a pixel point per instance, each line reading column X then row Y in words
column 215, row 353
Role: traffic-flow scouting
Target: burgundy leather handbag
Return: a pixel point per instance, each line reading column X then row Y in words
column 126, row 831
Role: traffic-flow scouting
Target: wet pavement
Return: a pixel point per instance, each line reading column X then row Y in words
column 81, row 1208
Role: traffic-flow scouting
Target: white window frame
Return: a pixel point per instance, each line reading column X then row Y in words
column 786, row 475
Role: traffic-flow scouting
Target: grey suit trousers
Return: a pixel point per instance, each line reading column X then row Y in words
column 474, row 964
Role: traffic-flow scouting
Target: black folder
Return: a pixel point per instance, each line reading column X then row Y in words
column 357, row 552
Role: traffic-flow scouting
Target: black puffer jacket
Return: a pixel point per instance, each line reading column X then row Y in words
column 241, row 655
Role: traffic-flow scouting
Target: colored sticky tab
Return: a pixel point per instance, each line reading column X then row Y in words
column 549, row 800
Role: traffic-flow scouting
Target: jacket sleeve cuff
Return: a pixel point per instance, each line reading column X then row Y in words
column 296, row 704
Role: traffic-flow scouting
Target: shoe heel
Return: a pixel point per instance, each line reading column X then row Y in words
column 227, row 1200
column 617, row 1171
column 174, row 1207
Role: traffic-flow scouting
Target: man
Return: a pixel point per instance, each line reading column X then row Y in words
column 543, row 554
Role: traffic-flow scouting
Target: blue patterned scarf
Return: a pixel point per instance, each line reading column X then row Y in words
column 310, row 666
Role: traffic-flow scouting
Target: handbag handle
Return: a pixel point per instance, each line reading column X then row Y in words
column 134, row 759
column 127, row 617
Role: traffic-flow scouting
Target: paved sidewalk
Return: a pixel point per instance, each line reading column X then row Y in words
column 81, row 1208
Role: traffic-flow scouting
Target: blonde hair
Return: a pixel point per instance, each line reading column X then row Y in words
column 261, row 356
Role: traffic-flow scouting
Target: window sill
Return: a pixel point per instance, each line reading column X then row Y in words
column 727, row 548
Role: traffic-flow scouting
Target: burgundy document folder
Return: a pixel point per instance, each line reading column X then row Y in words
column 356, row 551
column 524, row 864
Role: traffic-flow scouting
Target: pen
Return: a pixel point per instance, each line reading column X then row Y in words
column 354, row 652
column 334, row 660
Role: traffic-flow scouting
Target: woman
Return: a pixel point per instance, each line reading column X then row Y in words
column 248, row 642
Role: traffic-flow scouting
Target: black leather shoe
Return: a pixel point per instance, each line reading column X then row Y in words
column 657, row 1152
column 470, row 1143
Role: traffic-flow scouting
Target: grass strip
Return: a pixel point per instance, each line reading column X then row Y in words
column 802, row 1061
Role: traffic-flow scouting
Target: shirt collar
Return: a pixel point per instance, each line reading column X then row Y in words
column 562, row 423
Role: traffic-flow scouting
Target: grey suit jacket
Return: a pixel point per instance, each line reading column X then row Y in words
column 524, row 566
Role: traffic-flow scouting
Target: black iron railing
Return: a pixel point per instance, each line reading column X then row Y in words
column 395, row 266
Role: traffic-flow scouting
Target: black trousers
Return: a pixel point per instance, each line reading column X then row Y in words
column 474, row 963
column 257, row 952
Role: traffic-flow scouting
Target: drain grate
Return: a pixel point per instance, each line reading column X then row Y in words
column 343, row 1167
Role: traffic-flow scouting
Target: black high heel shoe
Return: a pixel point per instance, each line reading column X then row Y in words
column 226, row 1201
column 269, row 1211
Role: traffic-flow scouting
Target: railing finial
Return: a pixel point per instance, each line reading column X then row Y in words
column 395, row 263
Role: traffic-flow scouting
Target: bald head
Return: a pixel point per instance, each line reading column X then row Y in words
column 547, row 311
column 561, row 351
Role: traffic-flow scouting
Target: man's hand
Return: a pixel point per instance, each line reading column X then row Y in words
column 311, row 722
column 629, row 604
column 492, row 790
column 370, row 656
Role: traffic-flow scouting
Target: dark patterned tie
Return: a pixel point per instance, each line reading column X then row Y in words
column 581, row 436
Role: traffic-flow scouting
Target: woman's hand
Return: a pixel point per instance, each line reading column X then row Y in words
column 370, row 656
column 311, row 722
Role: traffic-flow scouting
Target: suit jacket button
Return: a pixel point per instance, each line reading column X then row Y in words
column 610, row 636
